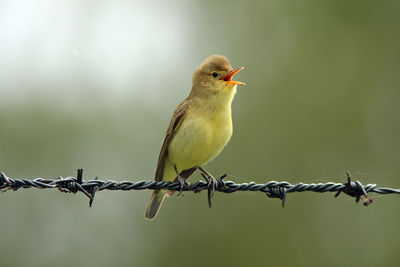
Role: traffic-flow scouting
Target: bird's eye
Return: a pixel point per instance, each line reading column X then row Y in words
column 214, row 74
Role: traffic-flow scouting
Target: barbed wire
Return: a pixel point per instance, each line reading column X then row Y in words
column 272, row 189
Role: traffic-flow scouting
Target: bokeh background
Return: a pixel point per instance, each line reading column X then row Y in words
column 92, row 84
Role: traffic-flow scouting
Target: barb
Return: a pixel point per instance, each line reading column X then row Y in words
column 272, row 189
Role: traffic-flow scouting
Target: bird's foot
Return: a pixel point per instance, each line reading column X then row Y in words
column 212, row 183
column 184, row 184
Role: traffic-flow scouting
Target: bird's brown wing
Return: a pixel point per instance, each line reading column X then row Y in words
column 177, row 118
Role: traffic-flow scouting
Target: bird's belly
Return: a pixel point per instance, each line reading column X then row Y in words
column 198, row 141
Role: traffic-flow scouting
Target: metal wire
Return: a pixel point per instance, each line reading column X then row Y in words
column 273, row 189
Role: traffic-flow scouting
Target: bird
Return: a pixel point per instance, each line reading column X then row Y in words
column 200, row 128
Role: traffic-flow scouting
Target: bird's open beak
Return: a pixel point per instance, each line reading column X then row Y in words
column 228, row 78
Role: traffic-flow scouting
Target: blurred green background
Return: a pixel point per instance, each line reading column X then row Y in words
column 92, row 84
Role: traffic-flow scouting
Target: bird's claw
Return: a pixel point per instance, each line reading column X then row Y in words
column 184, row 184
column 212, row 183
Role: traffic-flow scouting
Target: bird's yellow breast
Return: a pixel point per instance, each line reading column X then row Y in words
column 201, row 137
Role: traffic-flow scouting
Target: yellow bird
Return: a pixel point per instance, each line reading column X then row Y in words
column 200, row 128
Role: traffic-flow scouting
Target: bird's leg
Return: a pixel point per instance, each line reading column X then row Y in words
column 212, row 183
column 182, row 181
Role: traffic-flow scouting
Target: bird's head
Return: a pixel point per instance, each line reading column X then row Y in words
column 215, row 74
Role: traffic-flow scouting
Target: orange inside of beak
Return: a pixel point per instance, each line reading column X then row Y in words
column 228, row 77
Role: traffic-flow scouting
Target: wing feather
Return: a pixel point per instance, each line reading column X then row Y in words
column 177, row 118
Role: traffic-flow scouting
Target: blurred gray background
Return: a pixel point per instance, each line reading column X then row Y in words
column 92, row 84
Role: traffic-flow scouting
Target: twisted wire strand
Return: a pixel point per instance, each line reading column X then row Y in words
column 273, row 189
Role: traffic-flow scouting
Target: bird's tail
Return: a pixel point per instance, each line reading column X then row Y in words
column 154, row 205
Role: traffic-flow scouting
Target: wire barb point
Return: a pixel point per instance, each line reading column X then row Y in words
column 356, row 190
column 79, row 176
column 278, row 192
